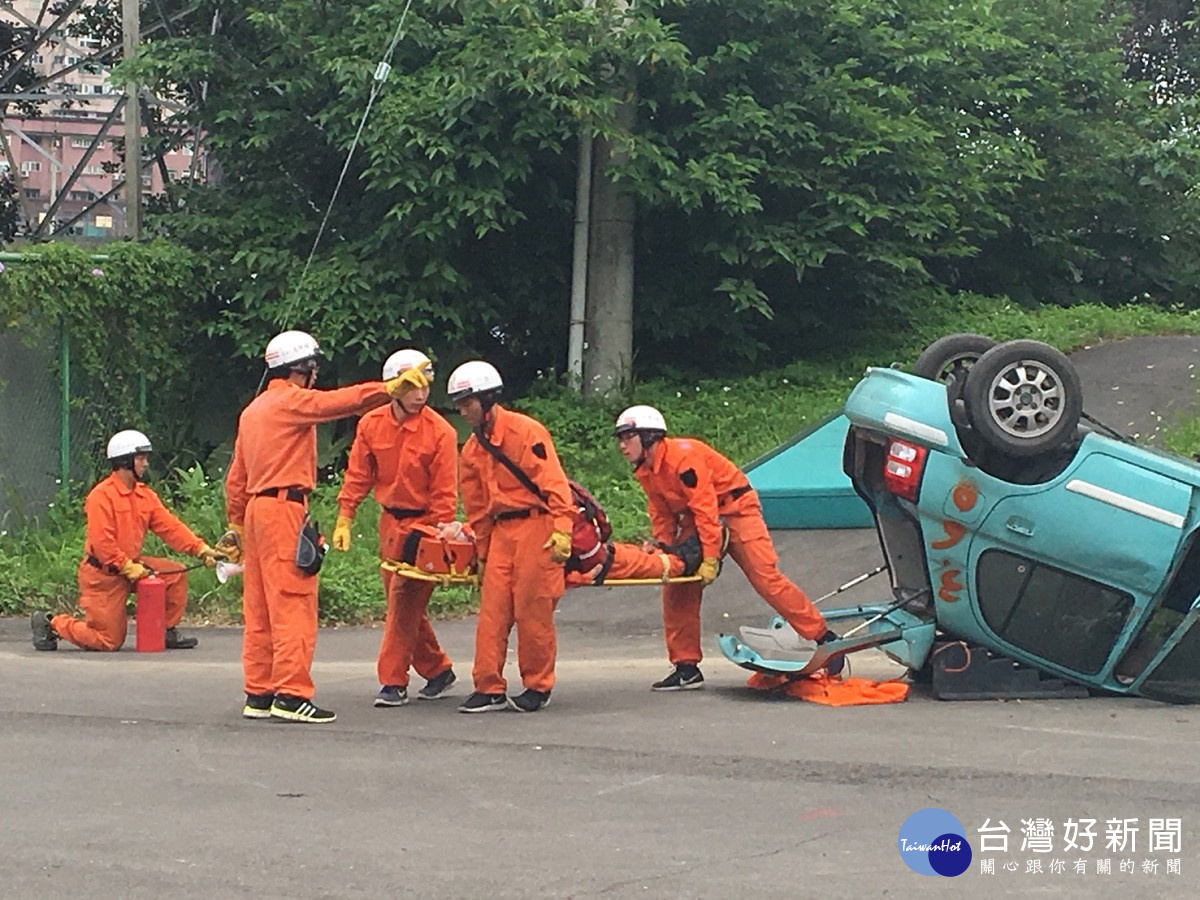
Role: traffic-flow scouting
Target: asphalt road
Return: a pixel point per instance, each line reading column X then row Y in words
column 134, row 776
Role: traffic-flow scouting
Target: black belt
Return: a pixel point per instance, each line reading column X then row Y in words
column 738, row 492
column 294, row 494
column 96, row 564
column 402, row 514
column 518, row 514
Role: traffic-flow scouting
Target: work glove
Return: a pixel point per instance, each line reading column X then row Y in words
column 708, row 570
column 408, row 380
column 209, row 556
column 479, row 566
column 559, row 545
column 230, row 543
column 134, row 570
column 341, row 533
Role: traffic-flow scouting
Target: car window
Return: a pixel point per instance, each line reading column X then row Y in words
column 1056, row 615
column 1177, row 679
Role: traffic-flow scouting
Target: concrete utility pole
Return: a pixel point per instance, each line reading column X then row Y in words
column 608, row 363
column 131, row 28
column 579, row 256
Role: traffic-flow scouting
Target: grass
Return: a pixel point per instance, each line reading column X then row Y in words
column 743, row 417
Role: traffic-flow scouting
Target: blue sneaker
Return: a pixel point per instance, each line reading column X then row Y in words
column 391, row 695
column 437, row 685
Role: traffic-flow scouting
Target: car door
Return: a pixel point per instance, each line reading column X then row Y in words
column 1060, row 571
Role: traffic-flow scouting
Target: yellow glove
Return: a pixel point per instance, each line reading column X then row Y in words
column 134, row 570
column 209, row 555
column 559, row 545
column 408, row 380
column 230, row 543
column 341, row 533
column 708, row 570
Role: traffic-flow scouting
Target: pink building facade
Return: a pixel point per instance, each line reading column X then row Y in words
column 44, row 151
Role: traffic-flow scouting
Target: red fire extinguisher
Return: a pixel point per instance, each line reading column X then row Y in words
column 151, row 594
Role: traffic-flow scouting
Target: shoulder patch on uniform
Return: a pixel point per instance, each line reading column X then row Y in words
column 688, row 477
column 539, row 450
column 684, row 444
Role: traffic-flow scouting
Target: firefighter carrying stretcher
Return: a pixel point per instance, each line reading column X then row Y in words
column 408, row 455
column 691, row 489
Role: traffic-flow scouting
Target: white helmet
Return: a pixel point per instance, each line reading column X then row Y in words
column 471, row 378
column 641, row 419
column 403, row 360
column 290, row 347
column 128, row 443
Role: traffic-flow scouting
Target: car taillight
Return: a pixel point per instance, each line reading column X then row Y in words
column 902, row 469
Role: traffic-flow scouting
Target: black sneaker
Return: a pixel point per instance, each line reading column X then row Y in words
column 44, row 637
column 530, row 701
column 258, row 706
column 437, row 685
column 837, row 663
column 297, row 709
column 688, row 551
column 481, row 703
column 175, row 642
column 685, row 677
column 392, row 695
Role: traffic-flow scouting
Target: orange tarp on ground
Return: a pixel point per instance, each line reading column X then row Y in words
column 820, row 688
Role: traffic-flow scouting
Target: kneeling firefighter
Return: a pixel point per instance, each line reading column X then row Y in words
column 120, row 510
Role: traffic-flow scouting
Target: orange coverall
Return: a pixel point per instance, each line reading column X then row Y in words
column 521, row 585
column 118, row 518
column 630, row 561
column 690, row 489
column 276, row 450
column 412, row 465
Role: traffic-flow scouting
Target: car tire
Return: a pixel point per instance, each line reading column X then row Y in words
column 949, row 360
column 1023, row 399
column 950, row 357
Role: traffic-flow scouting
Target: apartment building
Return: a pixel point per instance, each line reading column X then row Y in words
column 43, row 152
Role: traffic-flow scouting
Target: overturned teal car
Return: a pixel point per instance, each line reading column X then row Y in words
column 1027, row 545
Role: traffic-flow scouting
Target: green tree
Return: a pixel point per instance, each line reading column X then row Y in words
column 796, row 169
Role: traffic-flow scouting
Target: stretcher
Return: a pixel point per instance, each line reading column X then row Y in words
column 470, row 577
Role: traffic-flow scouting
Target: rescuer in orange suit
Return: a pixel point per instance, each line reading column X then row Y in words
column 120, row 510
column 266, row 499
column 407, row 454
column 523, row 536
column 691, row 489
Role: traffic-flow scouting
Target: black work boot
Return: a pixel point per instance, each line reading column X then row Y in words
column 175, row 642
column 44, row 637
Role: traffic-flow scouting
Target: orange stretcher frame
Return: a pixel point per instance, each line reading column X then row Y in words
column 445, row 579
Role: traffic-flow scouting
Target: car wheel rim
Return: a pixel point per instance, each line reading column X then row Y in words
column 957, row 368
column 1026, row 399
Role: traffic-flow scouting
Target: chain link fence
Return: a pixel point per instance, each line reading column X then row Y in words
column 53, row 432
